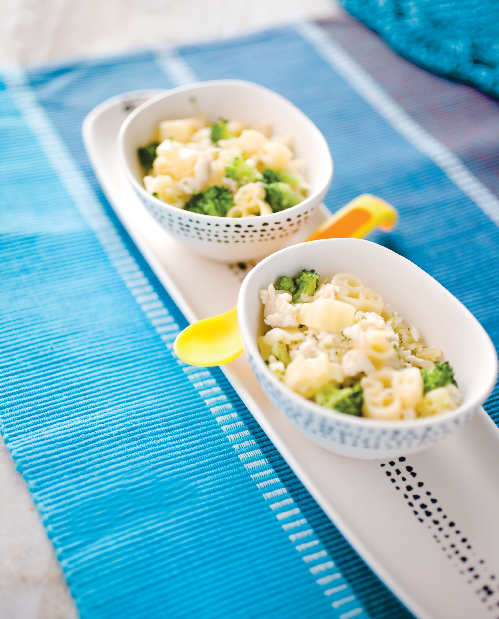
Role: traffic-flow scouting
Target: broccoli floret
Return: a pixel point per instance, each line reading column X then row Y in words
column 147, row 154
column 281, row 196
column 271, row 176
column 439, row 375
column 285, row 283
column 348, row 400
column 243, row 171
column 306, row 283
column 216, row 201
column 193, row 205
column 219, row 131
column 278, row 176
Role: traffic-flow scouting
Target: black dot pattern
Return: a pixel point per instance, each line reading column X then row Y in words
column 453, row 542
column 184, row 224
column 241, row 269
column 128, row 105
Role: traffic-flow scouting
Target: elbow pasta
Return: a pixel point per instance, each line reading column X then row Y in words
column 385, row 404
column 240, row 162
column 352, row 291
column 409, row 385
column 342, row 347
column 249, row 201
column 379, row 347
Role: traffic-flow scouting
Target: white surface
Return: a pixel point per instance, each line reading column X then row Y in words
column 232, row 99
column 458, row 473
column 33, row 31
column 31, row 584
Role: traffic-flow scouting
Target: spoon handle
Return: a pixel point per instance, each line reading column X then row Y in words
column 217, row 340
column 356, row 219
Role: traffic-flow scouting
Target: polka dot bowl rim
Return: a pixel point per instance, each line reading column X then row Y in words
column 476, row 373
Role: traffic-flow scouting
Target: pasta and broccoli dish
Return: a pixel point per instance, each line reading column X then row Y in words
column 338, row 344
column 223, row 169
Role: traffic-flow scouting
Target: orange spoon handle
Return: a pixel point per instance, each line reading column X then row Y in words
column 356, row 219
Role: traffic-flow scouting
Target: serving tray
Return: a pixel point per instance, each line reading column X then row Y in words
column 425, row 524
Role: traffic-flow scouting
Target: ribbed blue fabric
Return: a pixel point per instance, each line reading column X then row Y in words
column 455, row 38
column 161, row 494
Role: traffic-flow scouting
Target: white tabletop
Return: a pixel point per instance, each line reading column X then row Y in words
column 31, row 32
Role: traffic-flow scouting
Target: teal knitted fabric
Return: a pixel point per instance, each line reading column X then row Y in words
column 456, row 38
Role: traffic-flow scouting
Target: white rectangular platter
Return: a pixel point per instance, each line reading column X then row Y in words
column 426, row 525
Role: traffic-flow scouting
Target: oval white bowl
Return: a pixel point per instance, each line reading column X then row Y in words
column 442, row 320
column 220, row 238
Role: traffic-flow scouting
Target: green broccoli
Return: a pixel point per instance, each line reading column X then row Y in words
column 219, row 131
column 147, row 154
column 306, row 283
column 281, row 196
column 285, row 283
column 243, row 171
column 216, row 201
column 348, row 400
column 439, row 375
column 278, row 176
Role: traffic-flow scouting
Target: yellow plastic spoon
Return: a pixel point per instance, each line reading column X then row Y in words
column 217, row 340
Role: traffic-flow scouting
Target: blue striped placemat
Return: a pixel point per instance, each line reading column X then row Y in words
column 161, row 494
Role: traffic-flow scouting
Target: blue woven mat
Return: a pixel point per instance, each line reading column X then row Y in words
column 455, row 38
column 128, row 454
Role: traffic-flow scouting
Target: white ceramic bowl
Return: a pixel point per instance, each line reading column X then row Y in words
column 420, row 300
column 220, row 238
